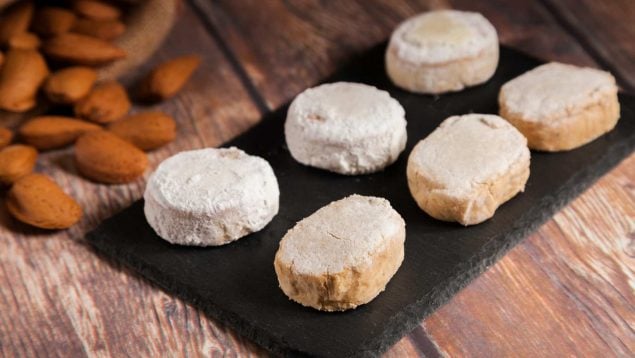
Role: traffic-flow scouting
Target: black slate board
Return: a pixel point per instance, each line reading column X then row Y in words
column 236, row 284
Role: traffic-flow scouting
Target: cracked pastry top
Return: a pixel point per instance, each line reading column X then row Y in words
column 559, row 106
column 342, row 255
column 467, row 167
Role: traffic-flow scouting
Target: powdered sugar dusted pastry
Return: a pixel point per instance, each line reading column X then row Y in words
column 343, row 255
column 347, row 128
column 210, row 197
column 561, row 107
column 442, row 51
column 467, row 167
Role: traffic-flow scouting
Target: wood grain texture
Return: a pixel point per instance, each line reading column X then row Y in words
column 57, row 298
column 566, row 290
column 287, row 46
column 308, row 40
column 530, row 27
column 606, row 30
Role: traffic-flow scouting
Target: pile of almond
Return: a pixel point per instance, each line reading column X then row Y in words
column 109, row 143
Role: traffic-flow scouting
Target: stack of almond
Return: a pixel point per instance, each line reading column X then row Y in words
column 109, row 143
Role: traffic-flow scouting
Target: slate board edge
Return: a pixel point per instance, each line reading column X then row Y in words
column 471, row 269
column 180, row 290
column 411, row 316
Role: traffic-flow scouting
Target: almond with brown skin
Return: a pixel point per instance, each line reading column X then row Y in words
column 165, row 80
column 82, row 50
column 50, row 132
column 96, row 10
column 21, row 75
column 106, row 158
column 69, row 85
column 16, row 161
column 15, row 19
column 51, row 21
column 25, row 41
column 106, row 103
column 37, row 200
column 102, row 29
column 147, row 131
column 5, row 137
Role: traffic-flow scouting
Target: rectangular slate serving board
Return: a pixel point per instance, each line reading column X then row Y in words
column 236, row 283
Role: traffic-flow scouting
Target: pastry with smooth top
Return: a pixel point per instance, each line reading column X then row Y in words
column 442, row 51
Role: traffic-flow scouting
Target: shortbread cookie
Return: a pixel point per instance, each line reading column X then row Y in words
column 442, row 51
column 210, row 197
column 347, row 128
column 467, row 167
column 561, row 107
column 343, row 255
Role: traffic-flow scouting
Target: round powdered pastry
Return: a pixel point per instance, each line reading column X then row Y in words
column 343, row 255
column 210, row 197
column 467, row 167
column 561, row 107
column 347, row 128
column 442, row 51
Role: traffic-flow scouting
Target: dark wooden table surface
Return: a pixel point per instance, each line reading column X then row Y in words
column 567, row 290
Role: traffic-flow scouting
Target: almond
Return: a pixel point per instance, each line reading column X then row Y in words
column 107, row 102
column 82, row 50
column 147, row 131
column 5, row 137
column 106, row 158
column 106, row 30
column 25, row 41
column 20, row 77
column 37, row 200
column 49, row 132
column 168, row 78
column 16, row 161
column 15, row 19
column 51, row 21
column 96, row 10
column 69, row 85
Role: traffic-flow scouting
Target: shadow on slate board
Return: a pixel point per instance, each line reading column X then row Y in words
column 236, row 284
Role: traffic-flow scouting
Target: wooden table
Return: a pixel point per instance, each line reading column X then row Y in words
column 567, row 290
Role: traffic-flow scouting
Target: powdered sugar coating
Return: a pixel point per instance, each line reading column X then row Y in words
column 442, row 36
column 349, row 128
column 210, row 196
column 465, row 151
column 342, row 235
column 555, row 90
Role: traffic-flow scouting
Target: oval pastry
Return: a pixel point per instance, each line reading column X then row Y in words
column 343, row 255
